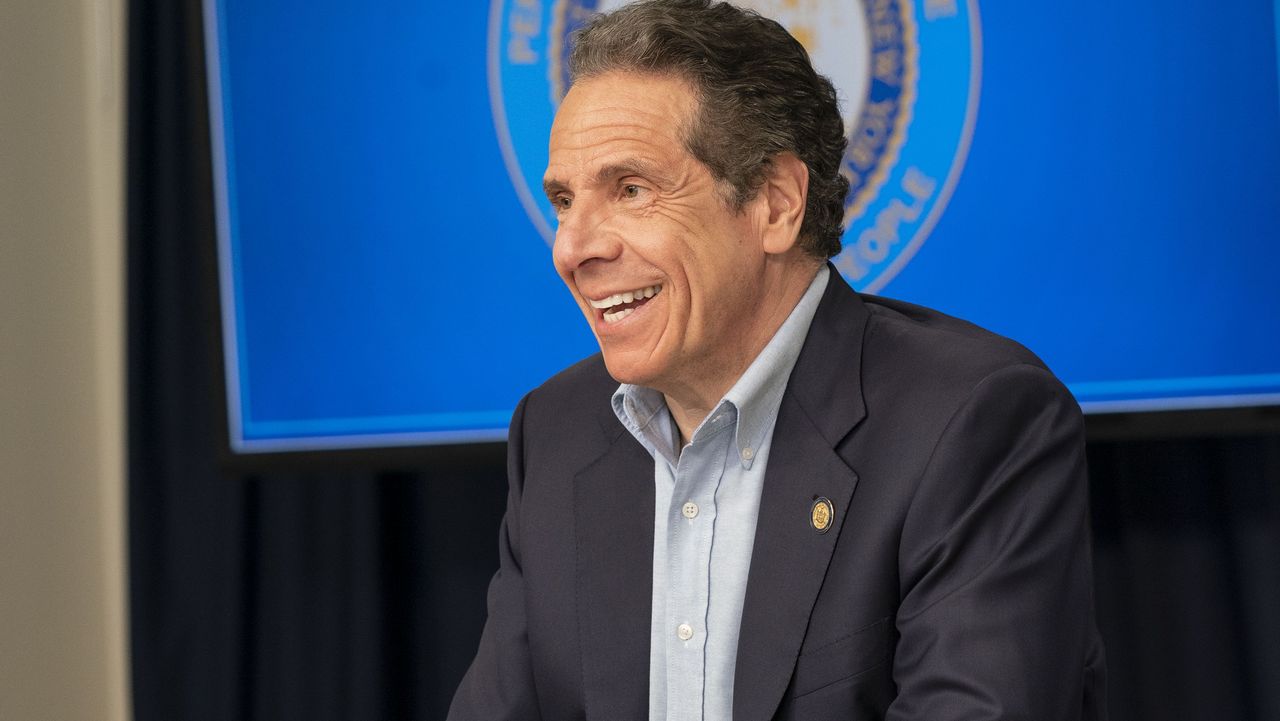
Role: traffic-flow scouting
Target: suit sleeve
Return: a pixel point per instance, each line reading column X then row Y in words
column 499, row 684
column 996, row 616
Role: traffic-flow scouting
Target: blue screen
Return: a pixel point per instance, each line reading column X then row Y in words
column 1098, row 181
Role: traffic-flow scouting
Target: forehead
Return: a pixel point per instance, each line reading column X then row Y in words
column 617, row 114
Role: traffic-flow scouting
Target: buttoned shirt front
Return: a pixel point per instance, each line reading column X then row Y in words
column 707, row 497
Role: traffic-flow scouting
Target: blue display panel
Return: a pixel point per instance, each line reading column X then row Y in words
column 1098, row 181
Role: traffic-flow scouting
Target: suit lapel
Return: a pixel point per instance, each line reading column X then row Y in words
column 613, row 516
column 822, row 404
column 789, row 560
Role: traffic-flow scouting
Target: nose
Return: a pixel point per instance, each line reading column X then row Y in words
column 584, row 235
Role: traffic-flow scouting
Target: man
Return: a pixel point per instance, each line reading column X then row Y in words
column 768, row 497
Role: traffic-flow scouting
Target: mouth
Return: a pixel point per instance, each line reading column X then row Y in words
column 620, row 305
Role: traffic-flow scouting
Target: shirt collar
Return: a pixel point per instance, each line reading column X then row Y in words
column 753, row 400
column 643, row 411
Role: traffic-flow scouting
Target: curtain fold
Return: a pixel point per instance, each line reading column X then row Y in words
column 310, row 594
column 1187, row 561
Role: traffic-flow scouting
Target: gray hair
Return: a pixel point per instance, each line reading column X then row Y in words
column 758, row 95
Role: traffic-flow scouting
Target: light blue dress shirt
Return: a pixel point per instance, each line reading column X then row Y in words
column 706, row 502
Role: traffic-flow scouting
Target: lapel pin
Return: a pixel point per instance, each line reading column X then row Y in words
column 820, row 515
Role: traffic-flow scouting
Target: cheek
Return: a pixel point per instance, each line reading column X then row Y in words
column 683, row 218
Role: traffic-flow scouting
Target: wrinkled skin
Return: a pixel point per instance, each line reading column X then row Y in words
column 636, row 209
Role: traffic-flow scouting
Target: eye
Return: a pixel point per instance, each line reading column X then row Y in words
column 562, row 202
column 630, row 191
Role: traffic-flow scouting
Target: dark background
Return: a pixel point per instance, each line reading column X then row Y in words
column 352, row 587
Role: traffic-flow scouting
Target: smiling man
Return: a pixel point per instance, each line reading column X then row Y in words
column 682, row 282
column 768, row 497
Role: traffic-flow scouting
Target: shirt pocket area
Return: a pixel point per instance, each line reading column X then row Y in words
column 843, row 658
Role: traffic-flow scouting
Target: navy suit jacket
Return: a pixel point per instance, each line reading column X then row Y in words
column 954, row 581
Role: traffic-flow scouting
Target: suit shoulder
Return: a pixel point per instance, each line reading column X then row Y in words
column 910, row 347
column 584, row 387
column 568, row 420
column 940, row 338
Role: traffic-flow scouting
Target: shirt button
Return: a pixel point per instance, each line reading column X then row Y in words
column 747, row 454
column 690, row 510
column 684, row 632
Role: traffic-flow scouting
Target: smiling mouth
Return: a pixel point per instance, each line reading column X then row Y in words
column 620, row 305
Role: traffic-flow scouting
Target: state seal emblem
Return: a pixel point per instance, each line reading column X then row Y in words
column 906, row 71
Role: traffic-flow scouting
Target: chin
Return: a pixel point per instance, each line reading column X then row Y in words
column 622, row 372
column 626, row 371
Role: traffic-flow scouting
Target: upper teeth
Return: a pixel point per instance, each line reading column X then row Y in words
column 627, row 297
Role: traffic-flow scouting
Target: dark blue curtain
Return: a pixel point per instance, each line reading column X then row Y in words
column 353, row 588
column 1187, row 562
column 329, row 589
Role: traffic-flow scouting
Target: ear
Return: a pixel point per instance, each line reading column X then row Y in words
column 785, row 191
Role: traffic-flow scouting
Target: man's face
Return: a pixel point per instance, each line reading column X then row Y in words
column 666, row 272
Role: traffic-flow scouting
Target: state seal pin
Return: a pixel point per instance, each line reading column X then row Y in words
column 820, row 515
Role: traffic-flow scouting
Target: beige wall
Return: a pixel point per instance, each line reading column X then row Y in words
column 62, row 587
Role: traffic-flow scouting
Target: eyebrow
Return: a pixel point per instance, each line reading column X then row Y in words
column 630, row 166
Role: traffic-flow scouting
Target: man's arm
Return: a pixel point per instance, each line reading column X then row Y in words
column 499, row 684
column 996, row 619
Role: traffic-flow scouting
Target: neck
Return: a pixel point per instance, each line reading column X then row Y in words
column 691, row 401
